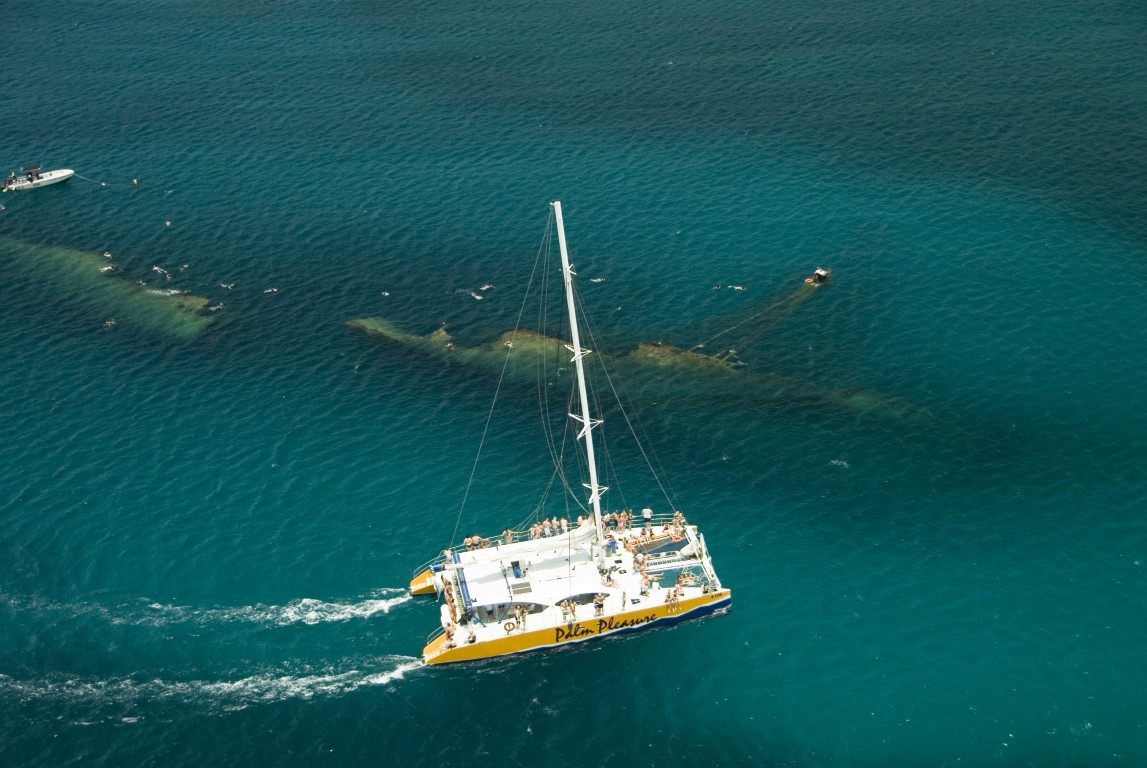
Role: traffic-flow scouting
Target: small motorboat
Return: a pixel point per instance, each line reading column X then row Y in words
column 32, row 176
column 819, row 276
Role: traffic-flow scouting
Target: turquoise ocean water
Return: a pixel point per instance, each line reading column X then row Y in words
column 204, row 537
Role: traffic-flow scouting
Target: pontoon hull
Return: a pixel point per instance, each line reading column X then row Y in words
column 515, row 641
column 423, row 583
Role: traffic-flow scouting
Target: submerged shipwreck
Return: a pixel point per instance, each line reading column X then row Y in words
column 664, row 373
column 89, row 281
column 653, row 371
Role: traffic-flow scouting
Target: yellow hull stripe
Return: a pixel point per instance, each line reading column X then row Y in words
column 519, row 641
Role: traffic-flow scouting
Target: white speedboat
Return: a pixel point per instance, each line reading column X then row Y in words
column 33, row 176
column 559, row 582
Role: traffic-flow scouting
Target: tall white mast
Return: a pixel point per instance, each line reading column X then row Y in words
column 584, row 418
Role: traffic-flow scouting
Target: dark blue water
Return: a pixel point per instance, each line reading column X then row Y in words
column 205, row 536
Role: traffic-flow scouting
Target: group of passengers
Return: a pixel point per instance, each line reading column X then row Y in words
column 569, row 607
column 607, row 577
column 450, row 625
column 544, row 529
column 27, row 176
column 551, row 527
column 623, row 520
column 616, row 521
column 452, row 634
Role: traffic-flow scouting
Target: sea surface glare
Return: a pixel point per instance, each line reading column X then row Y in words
column 928, row 499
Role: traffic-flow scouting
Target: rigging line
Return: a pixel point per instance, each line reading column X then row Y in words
column 613, row 473
column 735, row 326
column 579, row 450
column 497, row 391
column 597, row 364
column 544, row 399
column 788, row 305
column 540, row 363
column 656, row 468
column 571, row 493
column 134, row 182
column 560, row 462
column 531, row 518
column 642, row 438
column 658, row 471
column 533, row 515
column 558, row 457
column 607, row 456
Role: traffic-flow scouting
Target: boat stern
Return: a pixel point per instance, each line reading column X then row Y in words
column 423, row 583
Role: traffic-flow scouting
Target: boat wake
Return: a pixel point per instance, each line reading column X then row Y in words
column 150, row 684
column 261, row 687
column 303, row 611
column 153, row 614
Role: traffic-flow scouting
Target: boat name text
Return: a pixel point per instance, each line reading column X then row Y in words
column 575, row 631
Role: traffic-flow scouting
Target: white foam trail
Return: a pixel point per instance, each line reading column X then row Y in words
column 226, row 695
column 304, row 611
column 394, row 674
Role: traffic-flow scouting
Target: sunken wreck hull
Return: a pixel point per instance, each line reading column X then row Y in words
column 656, row 371
column 87, row 281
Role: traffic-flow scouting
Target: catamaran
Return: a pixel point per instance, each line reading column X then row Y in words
column 561, row 582
column 32, row 176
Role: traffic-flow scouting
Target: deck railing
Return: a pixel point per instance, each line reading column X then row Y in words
column 659, row 522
